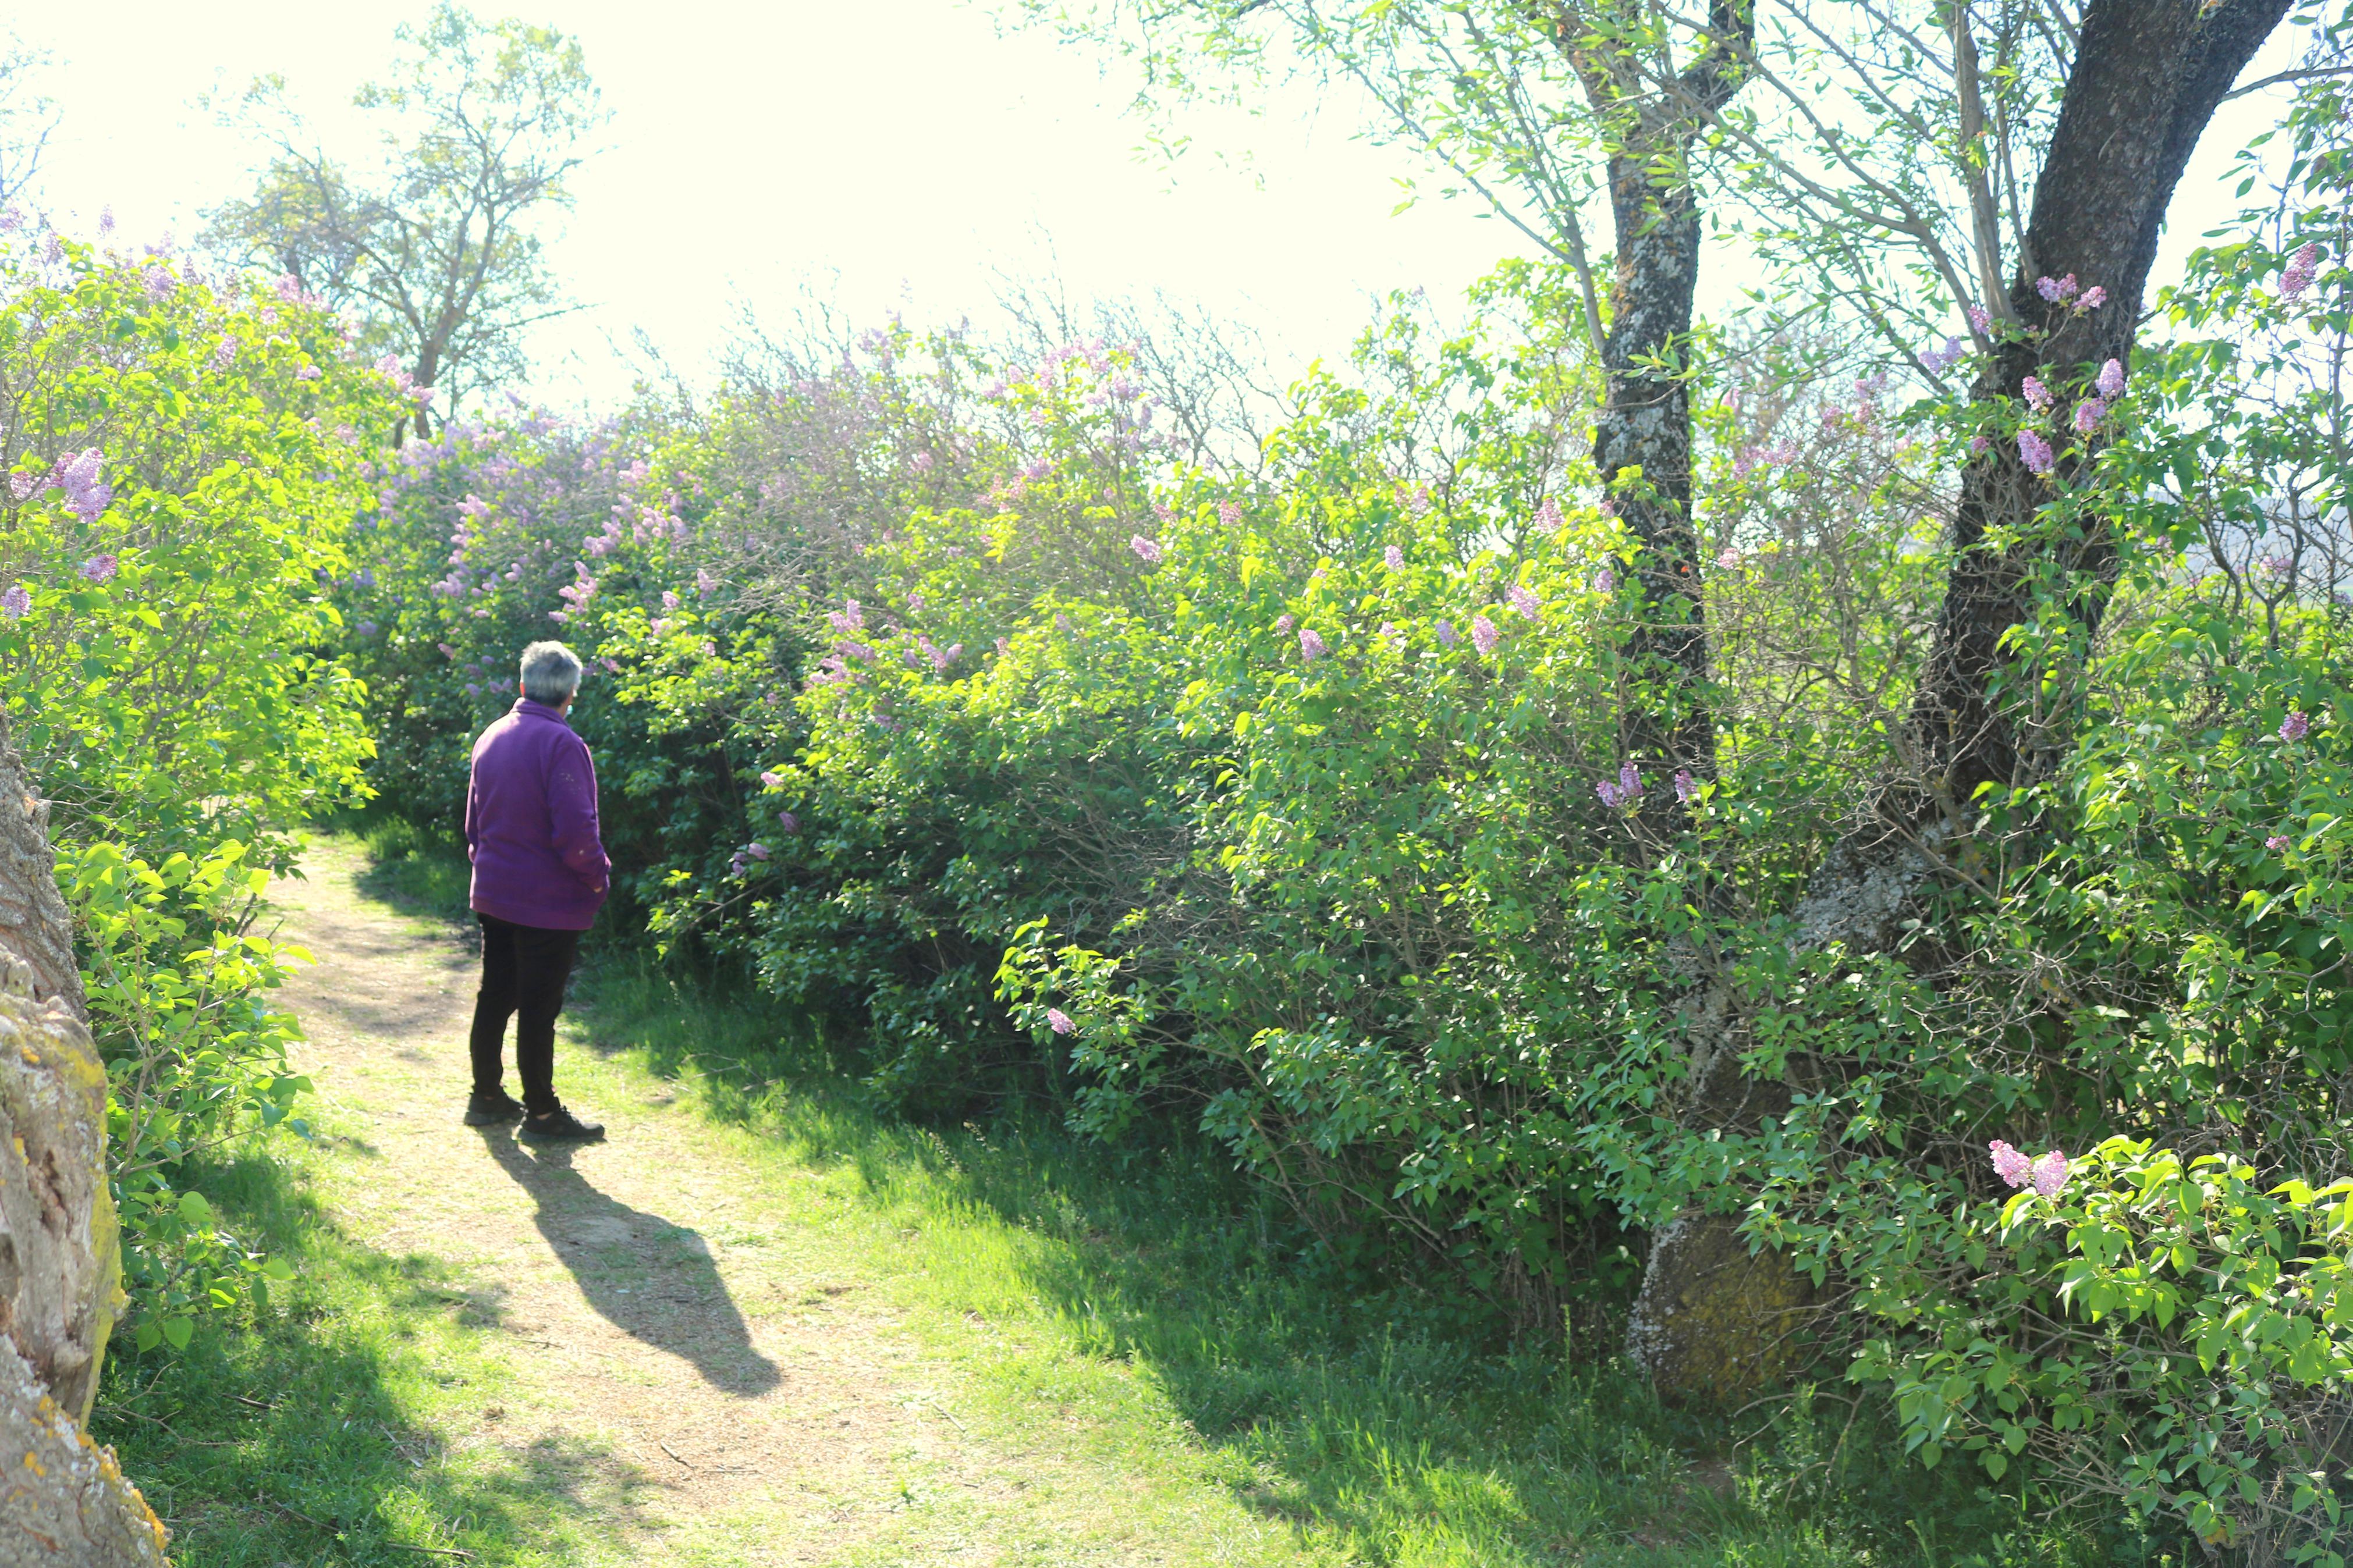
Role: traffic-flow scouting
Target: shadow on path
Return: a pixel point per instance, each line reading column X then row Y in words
column 652, row 1279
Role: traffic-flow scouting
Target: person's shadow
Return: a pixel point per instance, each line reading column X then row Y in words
column 651, row 1279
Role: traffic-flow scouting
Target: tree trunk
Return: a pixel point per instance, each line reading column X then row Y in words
column 2147, row 76
column 62, row 1500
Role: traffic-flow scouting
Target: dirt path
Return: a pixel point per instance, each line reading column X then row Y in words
column 705, row 1390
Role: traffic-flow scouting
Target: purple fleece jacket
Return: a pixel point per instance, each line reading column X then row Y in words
column 531, row 823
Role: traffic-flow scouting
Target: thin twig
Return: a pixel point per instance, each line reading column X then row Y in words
column 673, row 1454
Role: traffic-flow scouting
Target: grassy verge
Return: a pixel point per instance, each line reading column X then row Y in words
column 1134, row 1314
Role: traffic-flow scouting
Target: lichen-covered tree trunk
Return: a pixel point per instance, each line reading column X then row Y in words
column 2146, row 78
column 62, row 1500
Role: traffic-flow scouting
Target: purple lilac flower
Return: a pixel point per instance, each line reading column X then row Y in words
column 1686, row 787
column 2050, row 1174
column 2112, row 380
column 1483, row 634
column 1980, row 442
column 2088, row 415
column 1284, row 623
column 308, row 372
column 1229, row 512
column 1626, row 791
column 1549, row 517
column 2057, row 289
column 1394, row 557
column 2301, row 269
column 2295, row 727
column 1526, row 603
column 86, row 494
column 157, row 282
column 756, row 850
column 1980, row 319
column 705, row 583
column 1729, row 558
column 224, row 353
column 1606, row 580
column 106, row 219
column 366, row 628
column 99, row 568
column 1446, row 633
column 1004, row 647
column 771, row 779
column 1059, row 1021
column 1310, row 644
column 2010, row 1164
column 289, row 288
column 24, row 487
column 53, row 247
column 2093, row 298
column 1146, row 550
column 16, row 601
column 1940, row 360
column 789, row 822
column 2034, row 451
column 2038, row 396
column 2276, row 842
column 670, row 600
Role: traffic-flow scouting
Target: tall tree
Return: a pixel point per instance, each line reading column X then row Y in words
column 2141, row 80
column 437, row 250
column 27, row 117
column 1538, row 110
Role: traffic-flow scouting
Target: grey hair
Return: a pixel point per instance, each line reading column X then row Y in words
column 551, row 673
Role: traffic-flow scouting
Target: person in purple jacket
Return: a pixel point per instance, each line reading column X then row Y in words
column 540, row 876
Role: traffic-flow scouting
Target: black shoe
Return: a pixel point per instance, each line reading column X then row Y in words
column 560, row 1126
column 490, row 1109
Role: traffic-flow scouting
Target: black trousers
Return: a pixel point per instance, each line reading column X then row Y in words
column 523, row 972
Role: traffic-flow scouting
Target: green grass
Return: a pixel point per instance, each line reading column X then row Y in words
column 1131, row 1313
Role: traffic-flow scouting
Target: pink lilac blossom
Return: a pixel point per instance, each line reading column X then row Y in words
column 2301, row 269
column 1004, row 647
column 2088, row 415
column 1229, row 512
column 1059, row 1021
column 2277, row 841
column 850, row 617
column 1606, row 580
column 16, row 603
column 24, row 487
column 2111, row 382
column 756, row 850
column 2051, row 1173
column 2037, row 396
column 1484, row 635
column 99, row 568
column 1980, row 319
column 1394, row 557
column 1418, row 504
column 87, row 495
column 2034, row 451
column 705, row 583
column 1938, row 361
column 1980, row 442
column 2295, row 727
column 789, row 822
column 1729, row 559
column 1146, row 550
column 670, row 600
column 1284, row 623
column 1548, row 516
column 1310, row 644
column 308, row 372
column 2093, row 298
column 2057, row 289
column 1524, row 601
column 2010, row 1164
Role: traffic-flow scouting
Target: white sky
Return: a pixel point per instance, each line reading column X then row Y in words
column 890, row 153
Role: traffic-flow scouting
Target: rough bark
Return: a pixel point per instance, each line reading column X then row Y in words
column 1645, row 426
column 62, row 1500
column 2147, row 76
